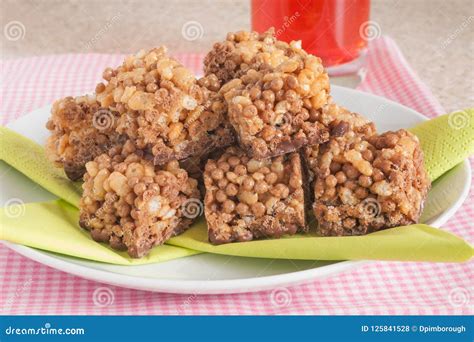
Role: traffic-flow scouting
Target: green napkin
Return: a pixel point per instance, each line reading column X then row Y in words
column 416, row 242
column 446, row 141
column 52, row 226
column 29, row 158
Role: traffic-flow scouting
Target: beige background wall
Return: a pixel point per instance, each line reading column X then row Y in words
column 436, row 36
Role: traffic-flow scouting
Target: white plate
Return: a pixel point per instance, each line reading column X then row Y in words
column 210, row 273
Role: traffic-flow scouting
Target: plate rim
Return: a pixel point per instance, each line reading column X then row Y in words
column 183, row 286
column 242, row 285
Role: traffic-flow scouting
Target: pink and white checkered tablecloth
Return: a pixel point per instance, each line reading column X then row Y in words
column 27, row 287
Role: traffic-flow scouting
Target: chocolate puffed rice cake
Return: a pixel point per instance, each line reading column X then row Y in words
column 243, row 51
column 162, row 107
column 271, row 115
column 364, row 182
column 250, row 199
column 273, row 92
column 344, row 126
column 132, row 204
column 80, row 130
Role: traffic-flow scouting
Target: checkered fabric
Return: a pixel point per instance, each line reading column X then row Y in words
column 392, row 288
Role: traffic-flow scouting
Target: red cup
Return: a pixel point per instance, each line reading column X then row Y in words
column 331, row 29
